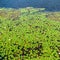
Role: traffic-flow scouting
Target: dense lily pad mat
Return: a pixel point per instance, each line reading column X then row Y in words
column 28, row 35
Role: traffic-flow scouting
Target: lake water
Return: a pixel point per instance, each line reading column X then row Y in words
column 50, row 5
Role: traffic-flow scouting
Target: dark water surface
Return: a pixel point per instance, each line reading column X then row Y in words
column 50, row 5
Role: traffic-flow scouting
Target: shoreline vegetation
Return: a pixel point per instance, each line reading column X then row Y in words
column 29, row 34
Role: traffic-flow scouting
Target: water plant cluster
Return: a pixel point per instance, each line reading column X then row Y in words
column 27, row 34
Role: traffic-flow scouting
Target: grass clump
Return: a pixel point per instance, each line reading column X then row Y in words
column 28, row 36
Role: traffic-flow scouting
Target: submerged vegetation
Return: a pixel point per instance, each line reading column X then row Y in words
column 29, row 34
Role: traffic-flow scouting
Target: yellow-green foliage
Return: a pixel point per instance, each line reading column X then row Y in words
column 28, row 35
